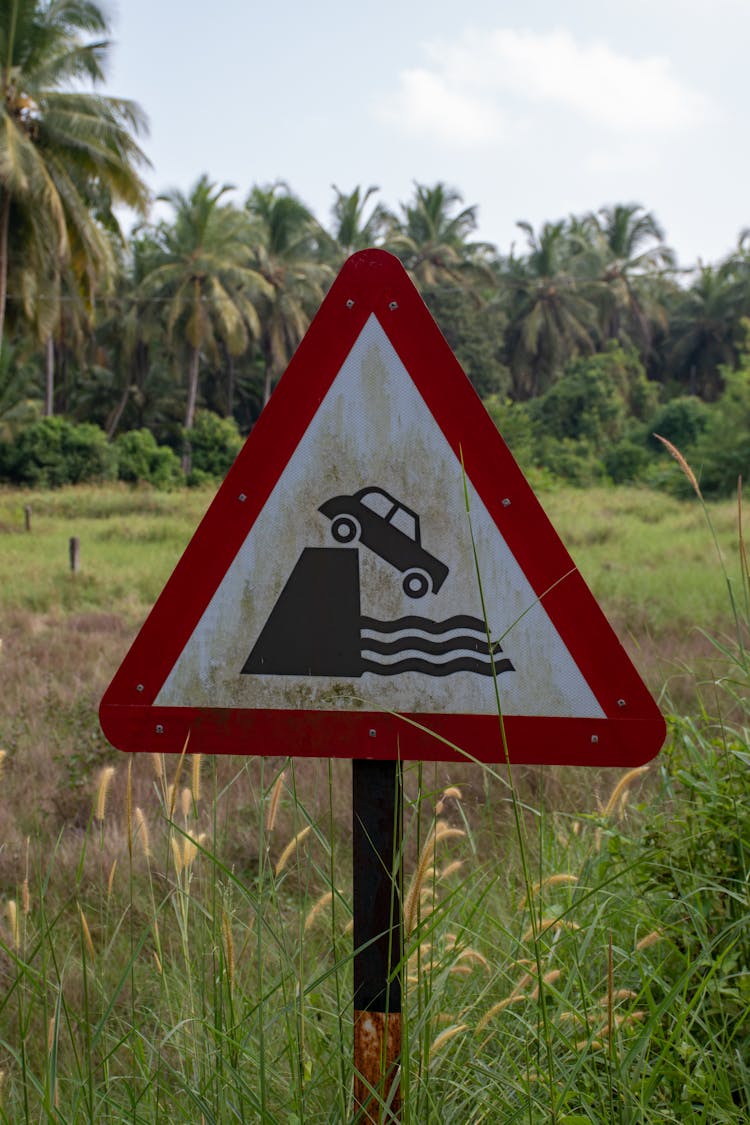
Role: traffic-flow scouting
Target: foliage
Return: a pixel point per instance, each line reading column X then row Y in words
column 139, row 458
column 625, row 461
column 289, row 253
column 178, row 933
column 53, row 451
column 200, row 267
column 514, row 423
column 595, row 399
column 67, row 155
column 721, row 454
column 681, row 420
column 214, row 444
column 474, row 331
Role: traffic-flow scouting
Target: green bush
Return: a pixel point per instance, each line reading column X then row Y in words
column 574, row 461
column 53, row 452
column 140, row 458
column 625, row 461
column 513, row 422
column 214, row 443
column 681, row 420
column 596, row 400
column 722, row 453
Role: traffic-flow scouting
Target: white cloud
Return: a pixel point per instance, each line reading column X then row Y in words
column 474, row 88
column 428, row 104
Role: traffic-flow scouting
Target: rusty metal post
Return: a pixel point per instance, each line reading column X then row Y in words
column 74, row 550
column 377, row 829
column 27, row 516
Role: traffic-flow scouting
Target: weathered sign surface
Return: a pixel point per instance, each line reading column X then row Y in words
column 375, row 576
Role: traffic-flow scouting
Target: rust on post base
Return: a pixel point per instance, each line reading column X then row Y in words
column 377, row 1052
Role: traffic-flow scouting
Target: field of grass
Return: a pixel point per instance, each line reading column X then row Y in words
column 175, row 934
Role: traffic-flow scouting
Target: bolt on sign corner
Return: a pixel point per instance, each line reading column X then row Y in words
column 375, row 577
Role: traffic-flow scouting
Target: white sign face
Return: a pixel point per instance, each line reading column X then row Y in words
column 357, row 586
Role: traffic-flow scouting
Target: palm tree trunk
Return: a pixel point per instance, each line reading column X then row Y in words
column 4, row 225
column 114, row 420
column 192, row 388
column 190, row 408
column 49, row 378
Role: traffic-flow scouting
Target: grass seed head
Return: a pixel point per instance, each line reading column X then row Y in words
column 548, row 978
column 451, row 869
column 441, row 831
column 317, row 908
column 196, row 780
column 452, row 792
column 649, row 939
column 475, row 957
column 551, row 881
column 445, row 1037
column 291, row 848
column 621, row 788
column 105, row 780
column 11, row 911
column 680, row 459
column 273, row 803
column 141, row 832
column 514, row 998
column 190, row 848
column 176, row 855
column 86, row 933
column 186, row 802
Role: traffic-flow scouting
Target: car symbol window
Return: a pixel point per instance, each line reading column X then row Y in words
column 377, row 502
column 405, row 522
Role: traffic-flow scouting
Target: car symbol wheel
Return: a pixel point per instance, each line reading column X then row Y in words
column 416, row 584
column 344, row 529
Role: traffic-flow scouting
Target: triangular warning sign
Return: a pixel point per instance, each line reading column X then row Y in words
column 375, row 577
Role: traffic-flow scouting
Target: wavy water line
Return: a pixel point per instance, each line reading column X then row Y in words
column 418, row 644
column 447, row 637
column 435, row 661
column 459, row 621
column 415, row 664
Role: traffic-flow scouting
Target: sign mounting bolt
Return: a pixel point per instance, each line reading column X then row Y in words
column 506, row 502
column 242, row 497
column 594, row 738
column 350, row 303
column 159, row 728
column 139, row 687
column 620, row 702
column 392, row 305
column 372, row 732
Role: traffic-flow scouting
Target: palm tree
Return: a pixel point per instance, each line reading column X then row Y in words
column 632, row 257
column 288, row 255
column 549, row 306
column 201, row 270
column 705, row 329
column 353, row 228
column 432, row 239
column 66, row 155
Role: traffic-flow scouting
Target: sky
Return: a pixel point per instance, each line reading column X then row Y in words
column 532, row 111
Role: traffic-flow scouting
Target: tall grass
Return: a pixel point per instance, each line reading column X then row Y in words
column 183, row 953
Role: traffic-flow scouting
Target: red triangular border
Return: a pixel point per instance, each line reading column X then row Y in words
column 375, row 282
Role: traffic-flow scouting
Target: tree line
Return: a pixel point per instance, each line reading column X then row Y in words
column 204, row 306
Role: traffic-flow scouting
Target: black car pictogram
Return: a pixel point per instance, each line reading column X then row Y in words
column 390, row 529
